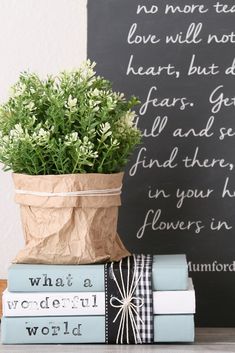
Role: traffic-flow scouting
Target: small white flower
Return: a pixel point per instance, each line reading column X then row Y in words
column 33, row 119
column 95, row 109
column 56, row 83
column 86, row 71
column 43, row 133
column 71, row 138
column 128, row 119
column 83, row 150
column 95, row 154
column 85, row 139
column 105, row 131
column 105, row 127
column 71, row 103
column 115, row 142
column 40, row 136
column 30, row 106
column 119, row 96
column 18, row 89
column 16, row 132
column 5, row 139
column 74, row 136
column 93, row 103
column 95, row 92
column 18, row 128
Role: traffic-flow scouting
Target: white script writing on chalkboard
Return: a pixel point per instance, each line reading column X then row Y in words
column 219, row 100
column 167, row 102
column 156, row 70
column 176, row 115
column 154, row 221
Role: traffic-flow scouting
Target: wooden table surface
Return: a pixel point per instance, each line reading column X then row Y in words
column 208, row 340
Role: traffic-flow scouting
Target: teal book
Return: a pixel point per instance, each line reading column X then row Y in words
column 169, row 272
column 87, row 329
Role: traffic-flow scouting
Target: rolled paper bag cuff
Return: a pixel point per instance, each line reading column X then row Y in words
column 69, row 190
column 129, row 300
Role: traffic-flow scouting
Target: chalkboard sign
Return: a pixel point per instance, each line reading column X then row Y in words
column 179, row 189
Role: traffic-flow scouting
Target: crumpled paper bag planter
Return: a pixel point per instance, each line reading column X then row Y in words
column 69, row 219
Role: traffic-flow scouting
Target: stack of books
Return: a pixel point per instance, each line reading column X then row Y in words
column 67, row 304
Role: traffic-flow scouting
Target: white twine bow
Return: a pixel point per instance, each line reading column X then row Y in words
column 127, row 304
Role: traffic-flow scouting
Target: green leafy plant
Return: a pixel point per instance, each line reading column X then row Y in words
column 70, row 123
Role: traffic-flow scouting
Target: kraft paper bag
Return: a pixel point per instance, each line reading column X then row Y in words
column 61, row 227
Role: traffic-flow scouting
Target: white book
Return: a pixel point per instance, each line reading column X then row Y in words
column 175, row 302
column 89, row 303
column 53, row 303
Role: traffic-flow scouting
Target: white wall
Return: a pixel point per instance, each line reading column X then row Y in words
column 44, row 36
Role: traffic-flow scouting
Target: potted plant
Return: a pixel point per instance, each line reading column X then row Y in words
column 67, row 140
